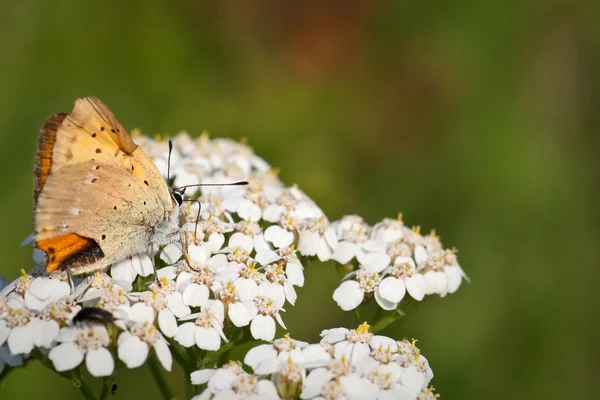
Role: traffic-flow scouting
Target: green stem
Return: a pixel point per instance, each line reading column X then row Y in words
column 357, row 318
column 79, row 383
column 159, row 378
column 106, row 386
column 180, row 357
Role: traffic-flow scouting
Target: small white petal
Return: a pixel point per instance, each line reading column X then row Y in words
column 413, row 380
column 141, row 313
column 65, row 356
column 313, row 385
column 345, row 252
column 392, row 289
column 266, row 391
column 266, row 257
column 171, row 253
column 163, row 354
column 175, row 304
column 186, row 334
column 167, row 323
column 207, row 339
column 247, row 210
column 416, row 286
column 132, row 351
column 384, row 303
column 358, row 388
column 258, row 354
column 348, row 295
column 314, row 356
column 20, row 339
column 242, row 241
column 295, row 273
column 123, row 271
column 420, row 254
column 246, row 289
column 263, row 327
column 4, row 331
column 195, row 295
column 100, row 362
column 142, row 264
column 201, row 376
column 45, row 333
column 238, row 314
column 199, row 254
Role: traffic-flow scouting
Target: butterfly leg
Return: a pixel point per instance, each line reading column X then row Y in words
column 183, row 238
column 153, row 258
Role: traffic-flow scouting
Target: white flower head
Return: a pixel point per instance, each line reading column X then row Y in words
column 317, row 238
column 135, row 344
column 206, row 330
column 351, row 293
column 234, row 384
column 263, row 314
column 85, row 342
column 354, row 344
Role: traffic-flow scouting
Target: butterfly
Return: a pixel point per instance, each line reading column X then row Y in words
column 98, row 197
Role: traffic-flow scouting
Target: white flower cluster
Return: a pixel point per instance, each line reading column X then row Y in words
column 346, row 364
column 237, row 267
column 392, row 260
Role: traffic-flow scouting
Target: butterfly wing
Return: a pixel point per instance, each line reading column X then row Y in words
column 92, row 214
column 91, row 132
column 91, row 183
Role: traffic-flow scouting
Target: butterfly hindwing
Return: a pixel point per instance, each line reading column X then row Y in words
column 92, row 214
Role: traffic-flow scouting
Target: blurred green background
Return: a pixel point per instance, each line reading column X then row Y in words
column 473, row 118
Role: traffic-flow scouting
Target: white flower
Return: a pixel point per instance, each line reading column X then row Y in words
column 247, row 236
column 352, row 232
column 350, row 294
column 195, row 286
column 392, row 383
column 97, row 285
column 337, row 381
column 171, row 253
column 225, row 384
column 263, row 313
column 87, row 342
column 282, row 235
column 389, row 230
column 135, row 344
column 55, row 316
column 167, row 302
column 21, row 329
column 208, row 234
column 128, row 269
column 317, row 238
column 286, row 256
column 45, row 290
column 354, row 344
column 399, row 279
column 372, row 255
column 207, row 329
column 237, row 311
column 268, row 358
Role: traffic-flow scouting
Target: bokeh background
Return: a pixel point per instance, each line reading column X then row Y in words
column 479, row 119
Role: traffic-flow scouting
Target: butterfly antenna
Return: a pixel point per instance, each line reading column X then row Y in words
column 169, row 161
column 240, row 183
